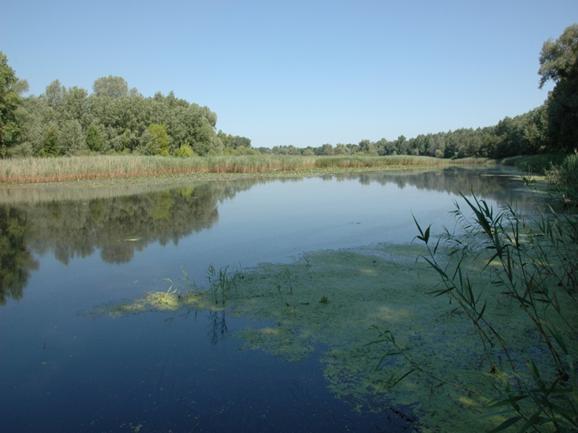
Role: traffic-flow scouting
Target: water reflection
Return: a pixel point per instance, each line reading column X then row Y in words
column 15, row 259
column 503, row 185
column 218, row 328
column 69, row 226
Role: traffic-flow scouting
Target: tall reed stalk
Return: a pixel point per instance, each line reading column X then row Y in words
column 36, row 170
column 535, row 265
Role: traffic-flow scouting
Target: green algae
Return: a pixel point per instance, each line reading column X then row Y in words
column 161, row 301
column 290, row 344
column 387, row 342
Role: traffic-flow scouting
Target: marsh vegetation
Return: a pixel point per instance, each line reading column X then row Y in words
column 39, row 170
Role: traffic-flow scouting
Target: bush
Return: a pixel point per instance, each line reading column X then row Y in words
column 185, row 151
column 564, row 177
column 568, row 171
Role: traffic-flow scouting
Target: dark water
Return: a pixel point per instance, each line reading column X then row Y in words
column 62, row 370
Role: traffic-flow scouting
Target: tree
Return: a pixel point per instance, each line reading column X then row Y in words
column 326, row 149
column 112, row 118
column 185, row 151
column 71, row 137
column 113, row 87
column 94, row 138
column 54, row 94
column 401, row 145
column 50, row 142
column 366, row 146
column 559, row 63
column 10, row 89
column 233, row 141
column 558, row 58
column 74, row 104
column 155, row 140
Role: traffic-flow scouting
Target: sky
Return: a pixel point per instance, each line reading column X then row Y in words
column 300, row 72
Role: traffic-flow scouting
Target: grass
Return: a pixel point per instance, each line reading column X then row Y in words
column 62, row 169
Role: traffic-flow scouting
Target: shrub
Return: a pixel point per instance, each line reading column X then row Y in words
column 185, row 151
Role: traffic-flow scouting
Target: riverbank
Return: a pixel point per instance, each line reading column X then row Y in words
column 102, row 167
column 534, row 164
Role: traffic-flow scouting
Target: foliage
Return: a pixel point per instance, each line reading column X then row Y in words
column 234, row 142
column 116, row 119
column 185, row 151
column 558, row 58
column 50, row 141
column 112, row 87
column 536, row 164
column 155, row 140
column 565, row 178
column 94, row 138
column 559, row 63
column 70, row 121
column 534, row 264
column 10, row 89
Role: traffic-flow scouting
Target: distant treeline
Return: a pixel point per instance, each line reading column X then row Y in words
column 116, row 119
column 521, row 135
column 549, row 128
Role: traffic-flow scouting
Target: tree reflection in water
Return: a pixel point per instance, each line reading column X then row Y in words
column 34, row 221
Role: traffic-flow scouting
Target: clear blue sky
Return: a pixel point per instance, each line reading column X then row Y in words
column 300, row 72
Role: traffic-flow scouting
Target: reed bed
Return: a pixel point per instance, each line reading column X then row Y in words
column 75, row 168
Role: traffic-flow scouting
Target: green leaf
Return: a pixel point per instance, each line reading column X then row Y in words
column 508, row 423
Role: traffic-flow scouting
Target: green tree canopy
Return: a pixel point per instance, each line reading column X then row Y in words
column 156, row 140
column 558, row 58
column 114, row 87
column 10, row 89
column 559, row 63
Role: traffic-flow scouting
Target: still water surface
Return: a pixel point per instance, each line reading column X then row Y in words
column 63, row 370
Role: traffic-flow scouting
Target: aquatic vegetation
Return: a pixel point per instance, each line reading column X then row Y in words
column 384, row 340
column 290, row 344
column 163, row 301
column 534, row 265
column 221, row 283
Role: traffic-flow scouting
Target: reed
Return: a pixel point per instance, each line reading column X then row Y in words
column 98, row 167
column 533, row 262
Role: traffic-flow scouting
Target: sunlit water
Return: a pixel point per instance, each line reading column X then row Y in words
column 63, row 370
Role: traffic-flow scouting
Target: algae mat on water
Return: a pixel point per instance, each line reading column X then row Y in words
column 384, row 341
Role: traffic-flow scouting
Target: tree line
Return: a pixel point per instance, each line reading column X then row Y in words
column 111, row 119
column 116, row 119
column 552, row 127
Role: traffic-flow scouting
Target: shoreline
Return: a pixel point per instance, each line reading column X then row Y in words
column 31, row 193
column 121, row 167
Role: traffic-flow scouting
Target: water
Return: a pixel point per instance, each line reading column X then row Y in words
column 63, row 254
